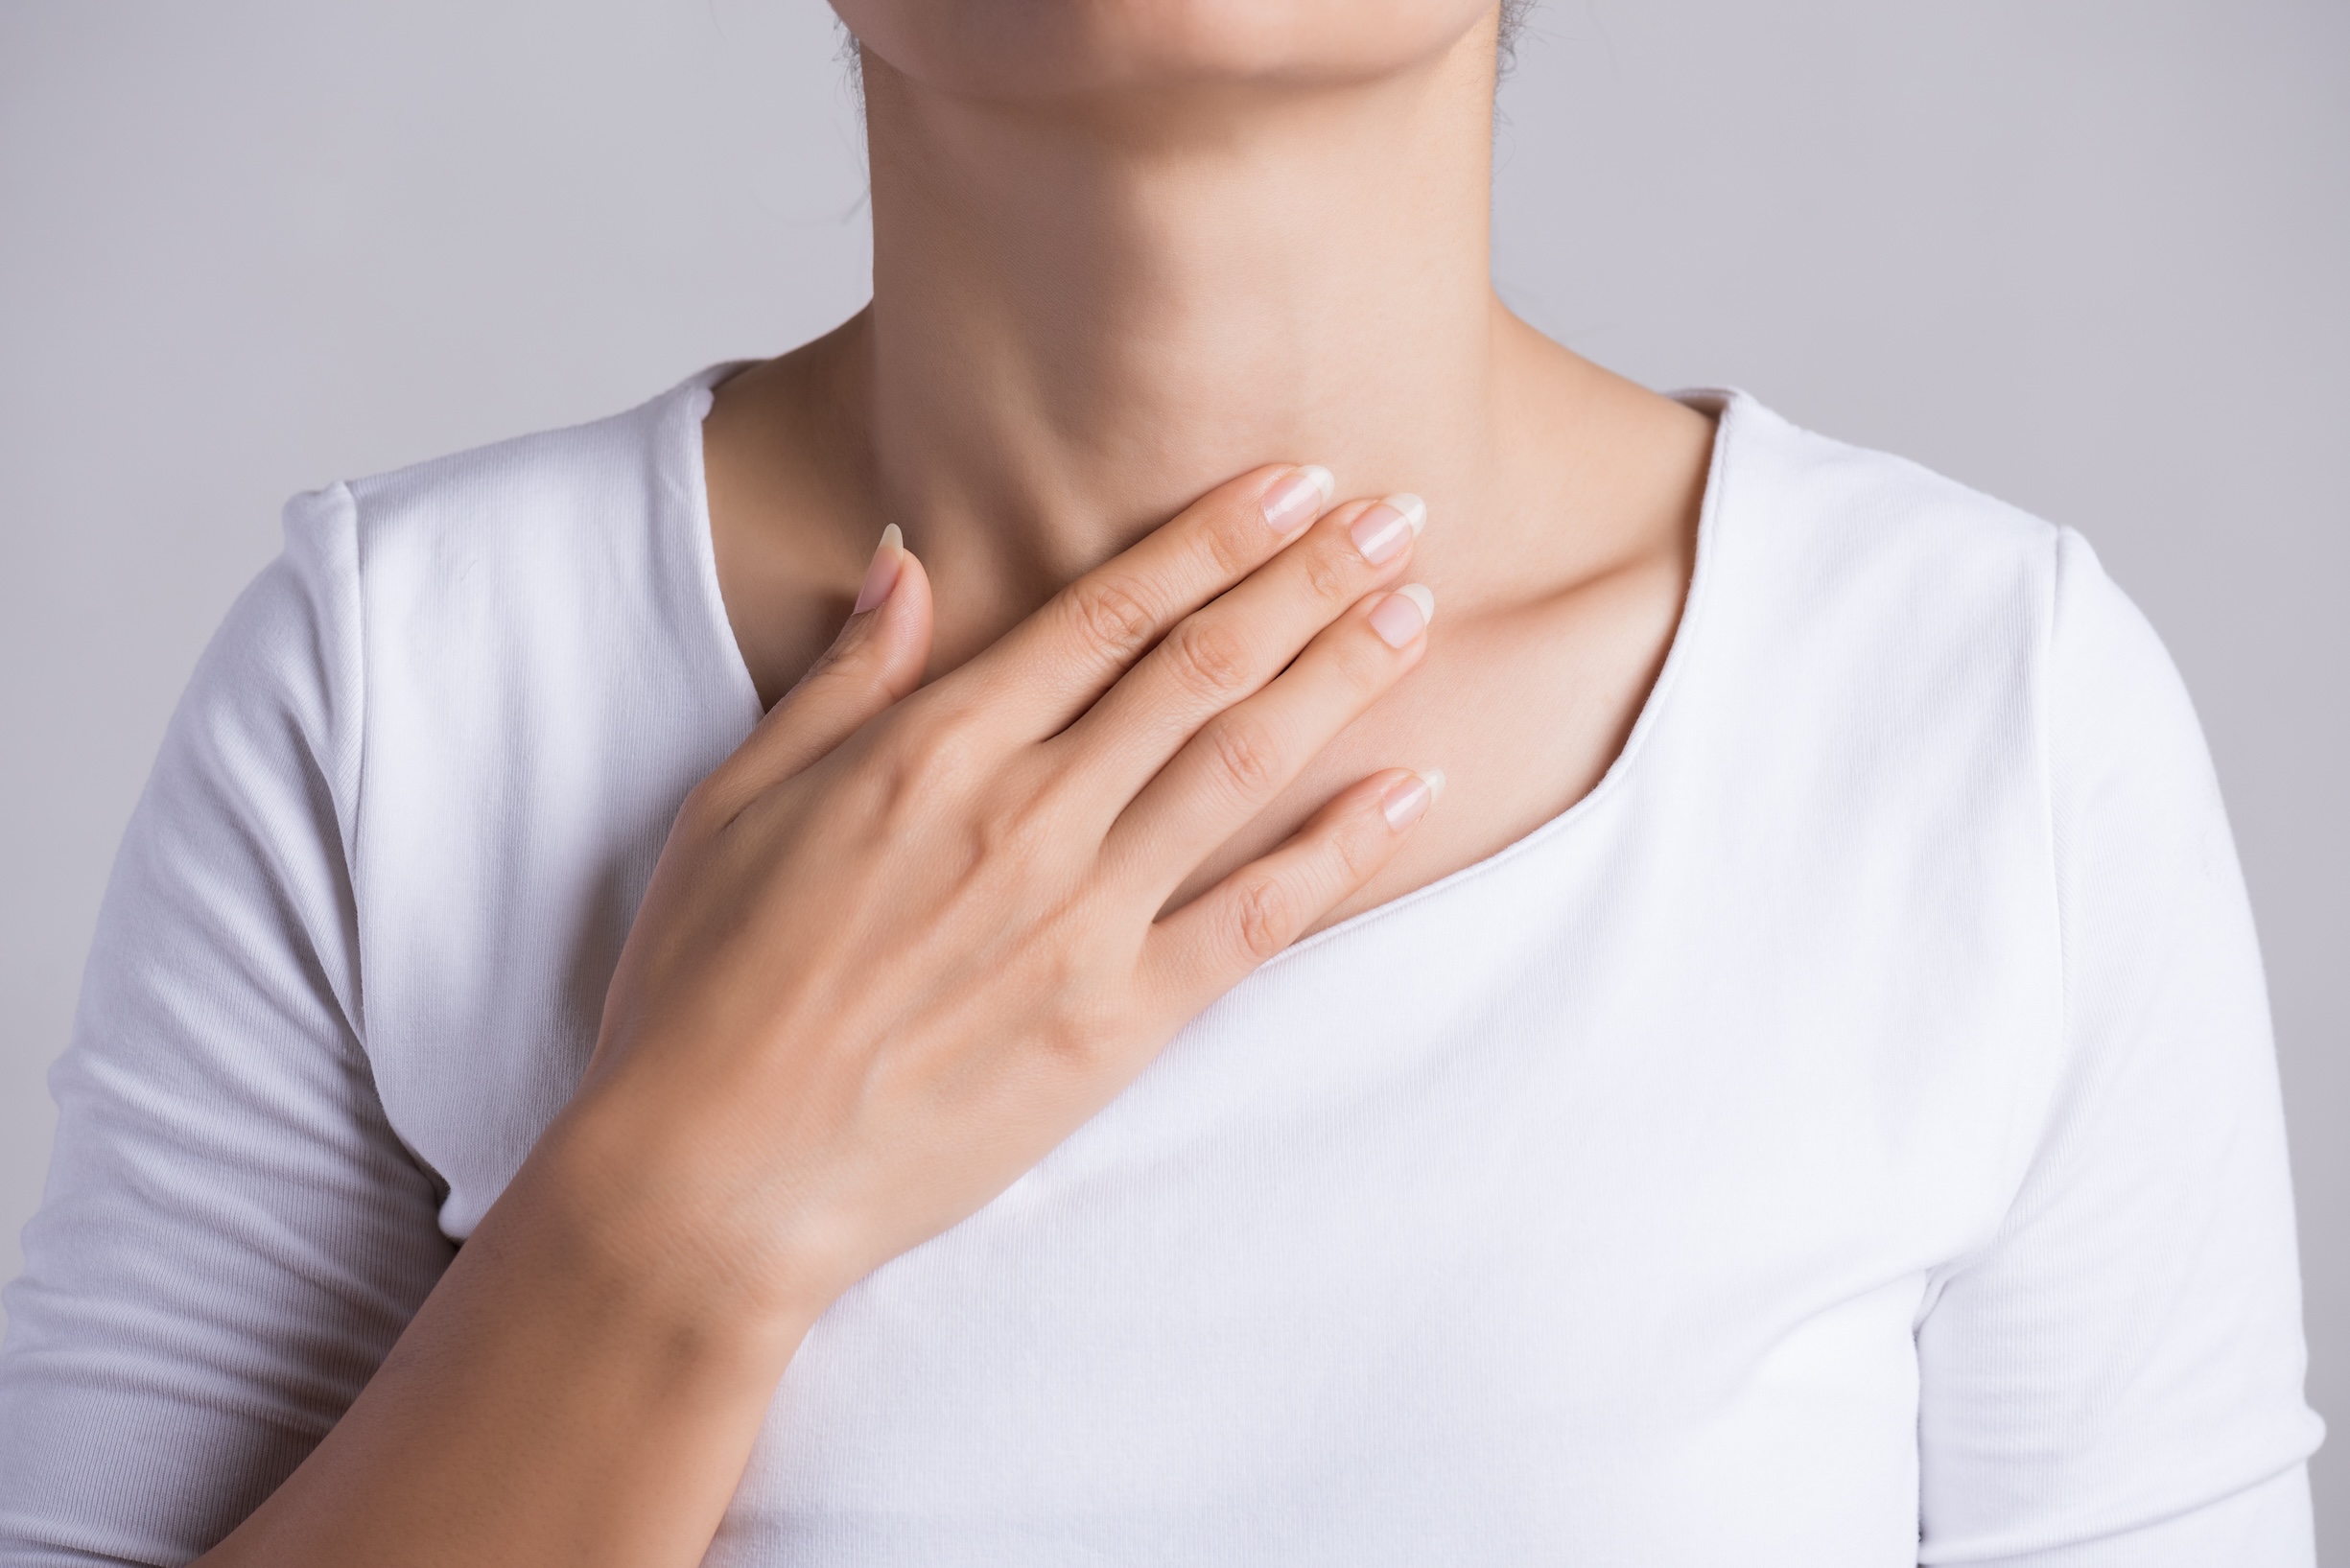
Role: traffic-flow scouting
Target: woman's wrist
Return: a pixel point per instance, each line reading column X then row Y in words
column 644, row 1233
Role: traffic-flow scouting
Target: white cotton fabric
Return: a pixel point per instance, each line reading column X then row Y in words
column 1849, row 1137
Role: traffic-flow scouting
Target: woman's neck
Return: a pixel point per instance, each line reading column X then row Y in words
column 1079, row 324
column 1086, row 314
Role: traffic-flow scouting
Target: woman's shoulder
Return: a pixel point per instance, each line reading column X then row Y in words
column 1897, row 573
column 1877, row 610
column 561, row 569
column 524, row 520
column 484, row 627
column 1833, row 521
column 509, row 665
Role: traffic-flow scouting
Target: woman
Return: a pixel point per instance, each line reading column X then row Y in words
column 1802, row 1095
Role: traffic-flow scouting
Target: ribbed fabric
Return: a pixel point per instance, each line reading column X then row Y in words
column 1849, row 1137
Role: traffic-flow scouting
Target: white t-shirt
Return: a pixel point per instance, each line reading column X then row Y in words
column 1849, row 1137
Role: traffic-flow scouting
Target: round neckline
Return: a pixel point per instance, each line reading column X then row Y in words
column 694, row 396
column 1725, row 405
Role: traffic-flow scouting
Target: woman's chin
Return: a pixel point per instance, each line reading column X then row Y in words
column 1047, row 49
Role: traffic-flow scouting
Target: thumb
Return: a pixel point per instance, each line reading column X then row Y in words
column 877, row 660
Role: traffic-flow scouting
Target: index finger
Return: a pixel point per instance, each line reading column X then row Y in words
column 1052, row 665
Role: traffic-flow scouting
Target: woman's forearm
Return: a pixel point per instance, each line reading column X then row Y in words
column 557, row 1400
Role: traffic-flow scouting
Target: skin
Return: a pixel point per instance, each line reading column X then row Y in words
column 1083, row 768
column 1125, row 251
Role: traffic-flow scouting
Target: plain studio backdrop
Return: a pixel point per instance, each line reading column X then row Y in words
column 2091, row 257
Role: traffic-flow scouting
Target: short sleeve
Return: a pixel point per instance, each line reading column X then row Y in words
column 2116, row 1380
column 231, row 1235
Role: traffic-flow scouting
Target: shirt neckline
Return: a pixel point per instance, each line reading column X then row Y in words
column 693, row 399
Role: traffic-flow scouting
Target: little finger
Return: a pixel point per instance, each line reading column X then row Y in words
column 1213, row 943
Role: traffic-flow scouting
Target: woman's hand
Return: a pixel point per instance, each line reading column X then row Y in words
column 903, row 941
column 898, row 946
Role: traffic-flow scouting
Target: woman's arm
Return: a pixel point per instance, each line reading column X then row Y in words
column 898, row 947
column 231, row 1235
column 2116, row 1378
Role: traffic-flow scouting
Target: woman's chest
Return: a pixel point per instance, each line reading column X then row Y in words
column 1448, row 1273
column 1582, row 1208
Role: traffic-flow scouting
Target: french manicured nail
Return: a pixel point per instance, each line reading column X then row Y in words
column 1297, row 497
column 1403, row 614
column 882, row 574
column 1387, row 527
column 1408, row 800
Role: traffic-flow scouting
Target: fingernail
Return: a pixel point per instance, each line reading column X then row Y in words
column 1384, row 531
column 1407, row 800
column 882, row 574
column 1403, row 614
column 1297, row 497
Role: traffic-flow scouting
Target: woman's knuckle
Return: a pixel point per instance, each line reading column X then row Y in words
column 1077, row 1044
column 1210, row 660
column 1248, row 754
column 1114, row 613
column 1365, row 664
column 1330, row 576
column 1231, row 543
column 704, row 811
column 1356, row 852
column 1261, row 919
column 826, row 667
column 1014, row 833
column 933, row 755
column 1073, row 1016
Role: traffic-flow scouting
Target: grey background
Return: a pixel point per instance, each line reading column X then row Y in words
column 2088, row 256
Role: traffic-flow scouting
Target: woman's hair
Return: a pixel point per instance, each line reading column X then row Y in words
column 1513, row 19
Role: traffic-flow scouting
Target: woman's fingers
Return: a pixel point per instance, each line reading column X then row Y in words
column 1052, row 665
column 1227, row 651
column 1211, row 944
column 876, row 661
column 1249, row 752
